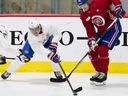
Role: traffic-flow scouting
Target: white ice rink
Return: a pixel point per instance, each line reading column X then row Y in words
column 38, row 84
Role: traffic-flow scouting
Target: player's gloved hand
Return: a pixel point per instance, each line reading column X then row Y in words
column 2, row 59
column 92, row 44
column 54, row 57
column 53, row 46
column 119, row 11
column 22, row 57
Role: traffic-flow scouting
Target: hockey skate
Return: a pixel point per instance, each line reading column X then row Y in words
column 101, row 79
column 5, row 75
column 94, row 77
column 59, row 77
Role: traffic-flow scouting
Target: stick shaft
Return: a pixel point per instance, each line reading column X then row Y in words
column 66, row 78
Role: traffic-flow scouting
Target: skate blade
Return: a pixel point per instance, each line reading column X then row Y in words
column 92, row 83
column 100, row 83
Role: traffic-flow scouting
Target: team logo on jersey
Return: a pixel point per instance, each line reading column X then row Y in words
column 98, row 20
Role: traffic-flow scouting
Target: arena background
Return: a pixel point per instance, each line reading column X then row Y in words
column 64, row 13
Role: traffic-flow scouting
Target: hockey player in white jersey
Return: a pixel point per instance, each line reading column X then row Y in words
column 3, row 38
column 42, row 38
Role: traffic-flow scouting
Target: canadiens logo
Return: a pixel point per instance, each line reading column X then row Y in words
column 98, row 20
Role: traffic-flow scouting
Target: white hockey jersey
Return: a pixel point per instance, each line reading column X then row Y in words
column 36, row 42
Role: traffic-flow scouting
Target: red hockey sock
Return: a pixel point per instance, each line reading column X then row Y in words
column 94, row 60
column 103, row 58
column 96, row 65
column 104, row 62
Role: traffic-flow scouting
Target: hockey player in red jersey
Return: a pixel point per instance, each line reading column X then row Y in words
column 98, row 14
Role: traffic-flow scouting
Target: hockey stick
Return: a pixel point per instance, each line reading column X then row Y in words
column 98, row 40
column 10, row 58
column 3, row 60
column 73, row 90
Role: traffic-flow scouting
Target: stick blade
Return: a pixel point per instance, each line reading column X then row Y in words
column 55, row 80
column 78, row 89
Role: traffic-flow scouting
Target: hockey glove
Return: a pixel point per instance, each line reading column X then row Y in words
column 2, row 60
column 119, row 11
column 92, row 44
column 22, row 57
column 53, row 46
column 54, row 57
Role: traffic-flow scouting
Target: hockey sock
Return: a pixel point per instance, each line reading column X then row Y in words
column 94, row 60
column 104, row 62
column 14, row 66
column 103, row 58
column 55, row 66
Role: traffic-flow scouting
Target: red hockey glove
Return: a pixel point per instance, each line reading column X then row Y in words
column 54, row 57
column 92, row 44
column 53, row 46
column 119, row 11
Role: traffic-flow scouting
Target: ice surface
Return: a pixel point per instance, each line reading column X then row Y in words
column 38, row 84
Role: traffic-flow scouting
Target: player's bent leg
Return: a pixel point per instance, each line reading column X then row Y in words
column 103, row 58
column 17, row 63
column 12, row 68
column 93, row 56
column 57, row 73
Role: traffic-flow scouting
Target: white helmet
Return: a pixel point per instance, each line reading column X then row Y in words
column 34, row 23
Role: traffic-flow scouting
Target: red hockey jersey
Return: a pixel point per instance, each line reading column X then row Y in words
column 98, row 15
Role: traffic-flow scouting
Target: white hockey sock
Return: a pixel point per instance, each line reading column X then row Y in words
column 14, row 66
column 55, row 66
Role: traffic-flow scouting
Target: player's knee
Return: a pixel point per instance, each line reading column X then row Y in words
column 93, row 55
column 103, row 51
